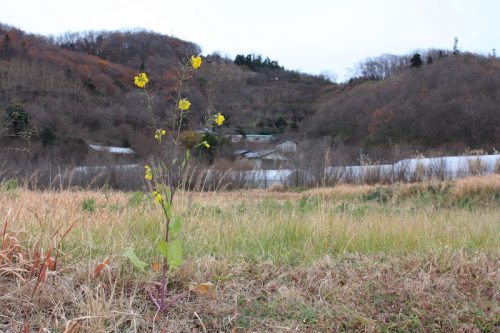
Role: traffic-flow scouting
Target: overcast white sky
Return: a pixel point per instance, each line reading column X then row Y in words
column 311, row 36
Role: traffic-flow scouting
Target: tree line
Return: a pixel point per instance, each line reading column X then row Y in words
column 255, row 62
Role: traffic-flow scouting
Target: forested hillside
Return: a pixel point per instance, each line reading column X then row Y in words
column 452, row 98
column 76, row 89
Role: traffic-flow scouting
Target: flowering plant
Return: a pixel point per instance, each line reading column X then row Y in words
column 165, row 178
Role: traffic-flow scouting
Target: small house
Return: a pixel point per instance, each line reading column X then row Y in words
column 265, row 159
column 109, row 154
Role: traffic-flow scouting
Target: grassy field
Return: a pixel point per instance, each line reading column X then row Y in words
column 399, row 258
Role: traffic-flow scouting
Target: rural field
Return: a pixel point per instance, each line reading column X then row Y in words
column 225, row 167
column 352, row 258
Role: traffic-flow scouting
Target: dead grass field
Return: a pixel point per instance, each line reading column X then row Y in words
column 399, row 258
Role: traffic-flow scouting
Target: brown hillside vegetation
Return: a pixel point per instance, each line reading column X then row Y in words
column 454, row 99
column 77, row 89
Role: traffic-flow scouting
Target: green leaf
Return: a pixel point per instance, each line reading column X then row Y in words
column 174, row 227
column 130, row 255
column 175, row 253
column 172, row 251
column 162, row 248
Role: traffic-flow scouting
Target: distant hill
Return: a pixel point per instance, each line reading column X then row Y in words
column 453, row 98
column 79, row 86
column 77, row 89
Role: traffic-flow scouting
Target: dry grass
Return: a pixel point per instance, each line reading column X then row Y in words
column 453, row 292
column 399, row 258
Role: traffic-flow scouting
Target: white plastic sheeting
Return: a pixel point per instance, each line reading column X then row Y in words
column 447, row 167
column 253, row 178
column 112, row 150
column 104, row 168
column 451, row 166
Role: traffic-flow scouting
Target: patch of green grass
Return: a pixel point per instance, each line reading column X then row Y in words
column 380, row 195
column 136, row 199
column 359, row 211
column 465, row 203
column 294, row 234
column 89, row 205
column 307, row 205
column 342, row 208
column 10, row 185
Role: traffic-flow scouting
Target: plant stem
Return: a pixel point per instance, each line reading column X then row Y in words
column 164, row 275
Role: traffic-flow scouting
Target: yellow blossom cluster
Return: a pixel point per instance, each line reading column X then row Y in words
column 157, row 196
column 195, row 62
column 219, row 119
column 159, row 133
column 141, row 80
column 184, row 104
column 148, row 174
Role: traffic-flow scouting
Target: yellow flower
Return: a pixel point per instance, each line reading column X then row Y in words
column 206, row 144
column 159, row 133
column 196, row 62
column 149, row 174
column 219, row 119
column 141, row 80
column 184, row 104
column 157, row 196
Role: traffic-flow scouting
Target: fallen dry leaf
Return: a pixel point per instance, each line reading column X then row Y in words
column 206, row 288
column 156, row 266
column 101, row 266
